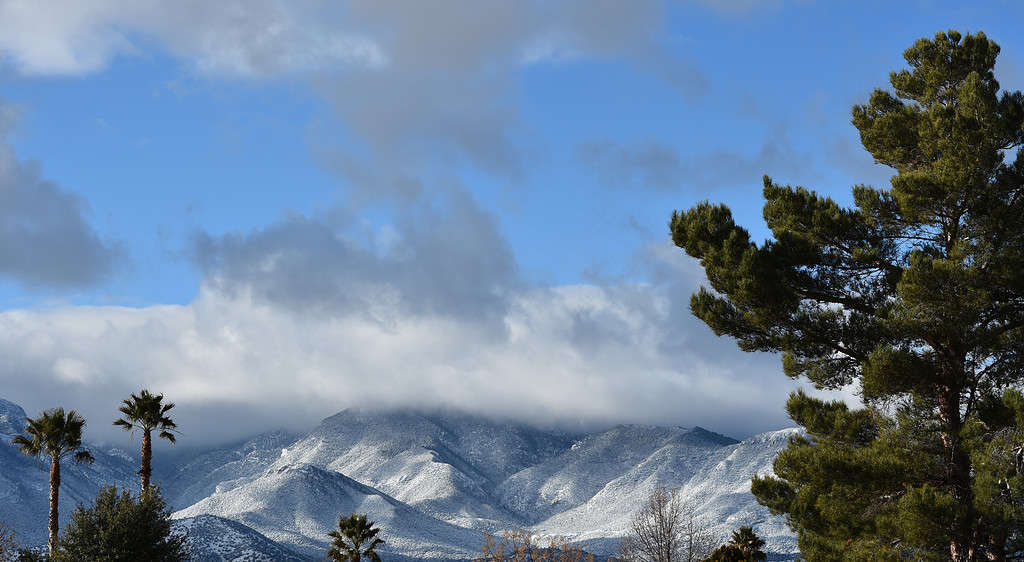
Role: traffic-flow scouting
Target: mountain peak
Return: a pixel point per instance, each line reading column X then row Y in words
column 12, row 418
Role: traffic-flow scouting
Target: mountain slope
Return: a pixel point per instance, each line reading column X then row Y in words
column 215, row 539
column 200, row 475
column 433, row 483
column 447, row 466
column 666, row 455
column 298, row 505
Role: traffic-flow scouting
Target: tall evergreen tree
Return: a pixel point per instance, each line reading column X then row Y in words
column 355, row 539
column 916, row 294
column 54, row 434
column 147, row 412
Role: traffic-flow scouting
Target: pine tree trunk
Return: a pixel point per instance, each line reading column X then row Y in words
column 54, row 500
column 958, row 474
column 147, row 459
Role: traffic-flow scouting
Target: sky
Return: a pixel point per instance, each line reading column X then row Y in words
column 270, row 211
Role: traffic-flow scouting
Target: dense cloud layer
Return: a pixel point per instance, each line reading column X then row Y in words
column 301, row 319
column 235, row 365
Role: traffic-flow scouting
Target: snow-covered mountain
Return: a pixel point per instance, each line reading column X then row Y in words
column 215, row 539
column 299, row 504
column 197, row 476
column 435, row 482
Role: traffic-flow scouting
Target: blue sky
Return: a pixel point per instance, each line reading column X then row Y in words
column 376, row 173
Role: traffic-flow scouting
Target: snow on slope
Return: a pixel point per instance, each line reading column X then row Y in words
column 25, row 483
column 12, row 418
column 214, row 539
column 297, row 505
column 678, row 454
column 721, row 490
column 221, row 469
column 716, row 487
column 638, row 453
column 444, row 465
column 432, row 482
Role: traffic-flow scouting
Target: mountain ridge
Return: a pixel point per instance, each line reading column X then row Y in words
column 436, row 482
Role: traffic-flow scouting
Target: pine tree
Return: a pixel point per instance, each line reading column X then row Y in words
column 355, row 539
column 147, row 412
column 120, row 528
column 54, row 434
column 916, row 294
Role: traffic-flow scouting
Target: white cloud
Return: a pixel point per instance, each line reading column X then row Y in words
column 417, row 87
column 579, row 354
column 246, row 38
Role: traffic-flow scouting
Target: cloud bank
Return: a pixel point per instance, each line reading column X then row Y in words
column 306, row 317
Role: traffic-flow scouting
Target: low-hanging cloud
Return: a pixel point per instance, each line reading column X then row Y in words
column 575, row 355
column 299, row 320
column 45, row 239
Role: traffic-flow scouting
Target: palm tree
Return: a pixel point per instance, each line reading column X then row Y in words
column 356, row 540
column 56, row 435
column 749, row 543
column 147, row 412
column 745, row 546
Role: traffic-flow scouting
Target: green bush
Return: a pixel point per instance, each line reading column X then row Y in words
column 121, row 528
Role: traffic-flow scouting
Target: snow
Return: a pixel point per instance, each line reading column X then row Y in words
column 12, row 418
column 432, row 482
column 215, row 539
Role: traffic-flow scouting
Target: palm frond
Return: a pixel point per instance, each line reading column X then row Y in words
column 84, row 457
column 53, row 433
column 147, row 411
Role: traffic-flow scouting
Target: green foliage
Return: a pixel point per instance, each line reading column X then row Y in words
column 147, row 412
column 916, row 294
column 355, row 539
column 745, row 546
column 26, row 555
column 54, row 434
column 120, row 528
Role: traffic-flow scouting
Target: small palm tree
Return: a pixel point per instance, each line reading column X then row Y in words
column 55, row 434
column 749, row 543
column 356, row 540
column 147, row 412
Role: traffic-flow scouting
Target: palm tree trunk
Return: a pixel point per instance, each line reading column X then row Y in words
column 147, row 459
column 54, row 499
